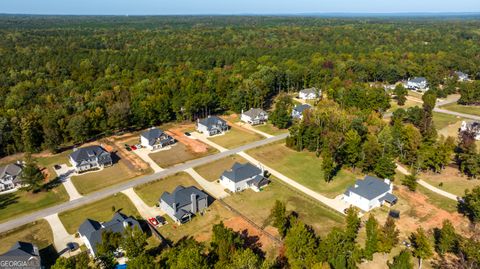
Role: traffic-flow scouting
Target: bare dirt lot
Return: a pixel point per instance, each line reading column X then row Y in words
column 193, row 144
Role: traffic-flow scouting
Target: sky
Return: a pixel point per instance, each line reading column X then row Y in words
column 196, row 7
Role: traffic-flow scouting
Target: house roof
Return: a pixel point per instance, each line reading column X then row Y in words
column 460, row 74
column 258, row 181
column 86, row 153
column 301, row 108
column 11, row 170
column 210, row 121
column 254, row 112
column 369, row 188
column 152, row 135
column 93, row 229
column 418, row 80
column 309, row 91
column 22, row 249
column 182, row 196
column 240, row 172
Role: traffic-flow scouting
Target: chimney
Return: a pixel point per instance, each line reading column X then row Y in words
column 174, row 206
column 387, row 181
column 242, row 110
column 193, row 198
column 126, row 224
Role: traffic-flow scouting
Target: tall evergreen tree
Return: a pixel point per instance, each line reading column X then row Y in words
column 422, row 248
column 373, row 237
column 402, row 261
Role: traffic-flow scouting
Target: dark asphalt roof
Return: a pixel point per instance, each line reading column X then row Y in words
column 418, row 79
column 182, row 196
column 240, row 172
column 309, row 91
column 211, row 121
column 10, row 169
column 22, row 249
column 389, row 198
column 370, row 187
column 86, row 153
column 302, row 107
column 254, row 112
column 152, row 135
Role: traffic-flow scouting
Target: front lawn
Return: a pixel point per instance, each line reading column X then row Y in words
column 213, row 171
column 257, row 205
column 21, row 202
column 303, row 167
column 37, row 232
column 179, row 153
column 151, row 192
column 96, row 180
column 50, row 161
column 472, row 110
column 270, row 129
column 102, row 210
column 236, row 137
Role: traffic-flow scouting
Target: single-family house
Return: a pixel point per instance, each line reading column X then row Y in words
column 91, row 230
column 243, row 176
column 90, row 158
column 155, row 138
column 212, row 125
column 461, row 76
column 21, row 255
column 472, row 127
column 254, row 116
column 369, row 193
column 418, row 84
column 297, row 112
column 10, row 176
column 309, row 94
column 183, row 203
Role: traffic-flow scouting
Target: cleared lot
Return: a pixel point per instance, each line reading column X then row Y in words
column 179, row 153
column 236, row 137
column 270, row 129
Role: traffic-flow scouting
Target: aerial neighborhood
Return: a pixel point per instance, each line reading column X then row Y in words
column 239, row 141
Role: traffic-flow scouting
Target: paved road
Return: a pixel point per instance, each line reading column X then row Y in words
column 467, row 116
column 6, row 226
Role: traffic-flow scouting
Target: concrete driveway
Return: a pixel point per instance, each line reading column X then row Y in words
column 251, row 128
column 213, row 188
column 205, row 140
column 61, row 237
column 64, row 174
column 143, row 154
column 145, row 211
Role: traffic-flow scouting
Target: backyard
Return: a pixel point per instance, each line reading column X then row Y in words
column 303, row 167
column 213, row 171
column 151, row 192
column 101, row 210
column 236, row 137
column 179, row 153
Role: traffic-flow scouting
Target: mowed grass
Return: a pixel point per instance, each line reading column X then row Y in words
column 38, row 232
column 472, row 110
column 438, row 200
column 270, row 129
column 49, row 162
column 96, row 180
column 442, row 120
column 394, row 105
column 257, row 205
column 236, row 137
column 21, row 202
column 450, row 180
column 303, row 167
column 179, row 153
column 102, row 210
column 151, row 192
column 213, row 171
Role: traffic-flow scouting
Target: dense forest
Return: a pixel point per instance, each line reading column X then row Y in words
column 67, row 79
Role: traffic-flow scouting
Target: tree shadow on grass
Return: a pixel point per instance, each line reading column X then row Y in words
column 8, row 199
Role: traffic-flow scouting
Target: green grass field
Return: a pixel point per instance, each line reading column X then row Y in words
column 38, row 232
column 303, row 167
column 151, row 192
column 109, row 176
column 179, row 153
column 473, row 110
column 257, row 205
column 213, row 171
column 438, row 200
column 236, row 137
column 21, row 202
column 441, row 120
column 408, row 104
column 270, row 129
column 451, row 181
column 102, row 210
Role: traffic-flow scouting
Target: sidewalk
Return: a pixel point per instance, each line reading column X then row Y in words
column 214, row 188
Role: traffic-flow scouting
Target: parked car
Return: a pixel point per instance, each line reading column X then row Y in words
column 133, row 147
column 187, row 134
column 394, row 214
column 57, row 167
column 161, row 220
column 153, row 221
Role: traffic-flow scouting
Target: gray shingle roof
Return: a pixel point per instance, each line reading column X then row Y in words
column 22, row 249
column 309, row 91
column 301, row 108
column 254, row 112
column 86, row 153
column 182, row 196
column 240, row 172
column 369, row 188
column 152, row 135
column 212, row 121
column 418, row 80
column 10, row 169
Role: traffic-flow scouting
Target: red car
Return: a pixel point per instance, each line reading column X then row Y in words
column 133, row 147
column 153, row 221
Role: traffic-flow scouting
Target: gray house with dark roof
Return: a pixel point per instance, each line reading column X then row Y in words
column 155, row 138
column 369, row 193
column 10, row 176
column 297, row 112
column 254, row 116
column 91, row 230
column 23, row 255
column 90, row 158
column 309, row 94
column 418, row 83
column 183, row 203
column 461, row 76
column 243, row 176
column 212, row 125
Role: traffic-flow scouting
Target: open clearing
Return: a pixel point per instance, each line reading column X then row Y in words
column 408, row 104
column 178, row 153
column 102, row 210
column 109, row 176
column 473, row 110
column 303, row 167
column 270, row 129
column 442, row 120
column 257, row 205
column 236, row 137
column 37, row 232
column 151, row 192
column 213, row 171
column 450, row 180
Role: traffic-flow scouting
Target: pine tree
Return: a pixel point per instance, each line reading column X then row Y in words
column 410, row 181
column 422, row 249
column 32, row 176
column 446, row 239
column 134, row 242
column 402, row 261
column 301, row 246
column 389, row 236
column 280, row 219
column 351, row 148
column 352, row 223
column 372, row 241
column 385, row 167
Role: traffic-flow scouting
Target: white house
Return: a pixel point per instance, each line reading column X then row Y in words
column 418, row 84
column 369, row 193
column 254, row 116
column 309, row 94
column 244, row 176
column 90, row 158
column 473, row 127
column 461, row 76
column 212, row 125
column 10, row 176
column 297, row 112
column 155, row 138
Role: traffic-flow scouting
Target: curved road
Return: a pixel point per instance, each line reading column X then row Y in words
column 8, row 225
